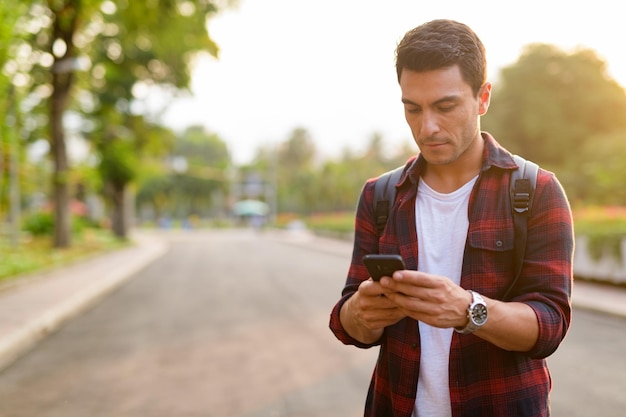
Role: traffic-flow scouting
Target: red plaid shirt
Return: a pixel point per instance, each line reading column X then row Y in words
column 484, row 380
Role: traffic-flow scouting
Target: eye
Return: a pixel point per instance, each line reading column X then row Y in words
column 446, row 108
column 412, row 109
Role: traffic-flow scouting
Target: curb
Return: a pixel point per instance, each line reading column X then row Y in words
column 599, row 297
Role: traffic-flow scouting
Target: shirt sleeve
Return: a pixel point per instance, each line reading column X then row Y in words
column 365, row 241
column 547, row 273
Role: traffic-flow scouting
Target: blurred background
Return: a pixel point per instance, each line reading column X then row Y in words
column 242, row 119
column 198, row 113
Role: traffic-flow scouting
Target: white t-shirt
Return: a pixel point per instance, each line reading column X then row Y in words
column 442, row 224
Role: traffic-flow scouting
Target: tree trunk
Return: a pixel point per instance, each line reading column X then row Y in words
column 64, row 27
column 118, row 217
column 60, row 189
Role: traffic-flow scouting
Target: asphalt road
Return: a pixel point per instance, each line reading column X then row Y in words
column 235, row 324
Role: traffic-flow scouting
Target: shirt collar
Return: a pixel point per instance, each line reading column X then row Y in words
column 494, row 155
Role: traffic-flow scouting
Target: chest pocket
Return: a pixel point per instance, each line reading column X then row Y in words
column 496, row 236
column 489, row 257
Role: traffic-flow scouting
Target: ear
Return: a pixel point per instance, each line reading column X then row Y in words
column 484, row 97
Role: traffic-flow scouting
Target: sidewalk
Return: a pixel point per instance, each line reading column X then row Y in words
column 601, row 297
column 38, row 305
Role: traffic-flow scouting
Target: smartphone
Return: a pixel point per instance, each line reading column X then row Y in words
column 383, row 265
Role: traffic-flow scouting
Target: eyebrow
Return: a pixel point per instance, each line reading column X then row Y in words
column 452, row 97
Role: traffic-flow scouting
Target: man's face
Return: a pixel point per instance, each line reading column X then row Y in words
column 442, row 112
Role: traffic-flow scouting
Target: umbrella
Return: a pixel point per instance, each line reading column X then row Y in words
column 251, row 208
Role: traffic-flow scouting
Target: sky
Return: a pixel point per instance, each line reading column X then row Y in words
column 328, row 65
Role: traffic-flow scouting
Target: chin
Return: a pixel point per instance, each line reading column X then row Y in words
column 438, row 159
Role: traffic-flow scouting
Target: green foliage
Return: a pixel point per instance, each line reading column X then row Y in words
column 340, row 223
column 308, row 185
column 159, row 37
column 10, row 148
column 118, row 163
column 599, row 178
column 149, row 43
column 198, row 163
column 36, row 253
column 604, row 227
column 139, row 45
column 42, row 224
column 202, row 149
column 39, row 224
column 560, row 109
column 563, row 111
column 605, row 238
column 10, row 12
column 102, row 52
column 297, row 152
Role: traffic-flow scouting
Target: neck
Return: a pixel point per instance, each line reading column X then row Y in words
column 450, row 177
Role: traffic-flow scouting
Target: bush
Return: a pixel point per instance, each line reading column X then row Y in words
column 605, row 227
column 39, row 224
column 42, row 224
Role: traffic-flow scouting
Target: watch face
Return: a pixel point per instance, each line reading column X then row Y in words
column 479, row 314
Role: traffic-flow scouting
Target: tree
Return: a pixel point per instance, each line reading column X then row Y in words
column 306, row 185
column 11, row 149
column 550, row 104
column 67, row 20
column 197, row 181
column 295, row 162
column 108, row 48
column 142, row 45
column 600, row 177
column 297, row 151
column 118, row 164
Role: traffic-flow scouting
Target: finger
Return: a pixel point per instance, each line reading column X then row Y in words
column 416, row 284
column 392, row 285
column 371, row 288
column 381, row 318
column 368, row 288
column 417, row 278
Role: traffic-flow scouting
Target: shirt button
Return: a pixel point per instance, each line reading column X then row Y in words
column 414, row 345
column 499, row 243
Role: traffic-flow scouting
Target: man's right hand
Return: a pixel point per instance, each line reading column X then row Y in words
column 366, row 314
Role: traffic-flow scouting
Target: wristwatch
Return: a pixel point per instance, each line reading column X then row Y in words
column 476, row 314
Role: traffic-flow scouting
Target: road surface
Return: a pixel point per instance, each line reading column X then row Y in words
column 235, row 324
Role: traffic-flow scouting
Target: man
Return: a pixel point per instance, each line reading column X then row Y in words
column 452, row 225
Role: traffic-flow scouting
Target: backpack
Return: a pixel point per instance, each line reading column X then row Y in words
column 522, row 189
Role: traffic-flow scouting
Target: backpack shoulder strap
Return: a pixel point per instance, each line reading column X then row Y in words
column 522, row 190
column 385, row 195
column 522, row 186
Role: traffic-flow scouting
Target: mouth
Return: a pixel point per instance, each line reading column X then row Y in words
column 434, row 145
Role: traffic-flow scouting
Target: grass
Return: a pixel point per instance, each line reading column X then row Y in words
column 33, row 254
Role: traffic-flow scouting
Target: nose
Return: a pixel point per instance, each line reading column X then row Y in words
column 430, row 124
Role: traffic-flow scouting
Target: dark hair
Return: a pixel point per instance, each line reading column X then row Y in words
column 443, row 43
